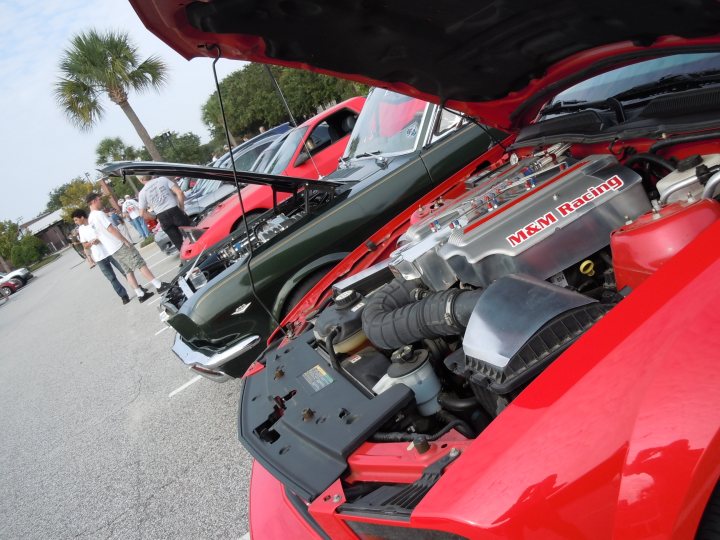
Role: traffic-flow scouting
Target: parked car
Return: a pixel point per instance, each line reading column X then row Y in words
column 541, row 349
column 309, row 151
column 221, row 325
column 205, row 193
column 9, row 286
column 21, row 274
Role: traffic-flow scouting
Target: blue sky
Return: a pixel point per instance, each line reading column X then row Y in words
column 40, row 149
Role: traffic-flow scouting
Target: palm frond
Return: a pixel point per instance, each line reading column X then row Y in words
column 79, row 101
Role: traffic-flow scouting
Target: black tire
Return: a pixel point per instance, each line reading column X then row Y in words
column 709, row 528
column 302, row 289
column 6, row 291
column 18, row 282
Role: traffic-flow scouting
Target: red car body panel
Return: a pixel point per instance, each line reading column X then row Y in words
column 169, row 22
column 280, row 519
column 647, row 473
column 220, row 222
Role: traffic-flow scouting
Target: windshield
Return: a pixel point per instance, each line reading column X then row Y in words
column 285, row 152
column 616, row 82
column 389, row 123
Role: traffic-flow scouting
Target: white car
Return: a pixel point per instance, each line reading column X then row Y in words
column 22, row 274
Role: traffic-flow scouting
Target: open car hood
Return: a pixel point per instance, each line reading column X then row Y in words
column 287, row 184
column 496, row 60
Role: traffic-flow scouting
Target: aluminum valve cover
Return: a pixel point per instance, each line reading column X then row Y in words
column 536, row 217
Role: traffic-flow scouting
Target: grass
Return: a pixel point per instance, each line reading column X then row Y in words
column 46, row 260
column 149, row 240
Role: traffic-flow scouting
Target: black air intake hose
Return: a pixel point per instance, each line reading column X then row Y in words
column 394, row 317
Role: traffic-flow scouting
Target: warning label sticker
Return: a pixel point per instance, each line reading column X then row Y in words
column 317, row 378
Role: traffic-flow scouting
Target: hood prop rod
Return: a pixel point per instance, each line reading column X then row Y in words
column 239, row 191
column 292, row 118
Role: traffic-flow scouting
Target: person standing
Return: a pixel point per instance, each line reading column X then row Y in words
column 131, row 208
column 97, row 252
column 168, row 202
column 121, row 249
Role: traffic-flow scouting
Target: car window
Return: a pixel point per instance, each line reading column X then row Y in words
column 446, row 122
column 388, row 124
column 247, row 158
column 319, row 138
column 285, row 152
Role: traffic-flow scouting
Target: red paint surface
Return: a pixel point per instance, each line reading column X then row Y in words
column 642, row 247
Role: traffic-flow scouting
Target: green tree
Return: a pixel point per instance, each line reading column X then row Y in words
column 114, row 149
column 54, row 198
column 184, row 148
column 9, row 238
column 97, row 64
column 251, row 101
column 28, row 250
column 74, row 196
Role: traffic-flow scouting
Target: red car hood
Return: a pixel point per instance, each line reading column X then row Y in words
column 498, row 61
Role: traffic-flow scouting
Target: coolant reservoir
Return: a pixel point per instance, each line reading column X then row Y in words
column 414, row 370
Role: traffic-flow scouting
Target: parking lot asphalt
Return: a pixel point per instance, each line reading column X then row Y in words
column 102, row 436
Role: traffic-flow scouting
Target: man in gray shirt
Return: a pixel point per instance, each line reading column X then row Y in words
column 168, row 203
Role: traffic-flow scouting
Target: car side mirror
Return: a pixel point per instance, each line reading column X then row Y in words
column 302, row 158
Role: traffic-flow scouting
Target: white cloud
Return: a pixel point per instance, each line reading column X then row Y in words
column 40, row 149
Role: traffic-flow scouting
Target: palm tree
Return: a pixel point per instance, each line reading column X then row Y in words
column 97, row 64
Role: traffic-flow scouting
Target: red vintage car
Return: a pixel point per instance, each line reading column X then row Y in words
column 531, row 351
column 309, row 151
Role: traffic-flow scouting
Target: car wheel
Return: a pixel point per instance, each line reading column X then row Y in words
column 17, row 282
column 709, row 528
column 251, row 217
column 6, row 291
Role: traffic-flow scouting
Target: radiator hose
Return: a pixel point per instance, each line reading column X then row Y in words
column 394, row 316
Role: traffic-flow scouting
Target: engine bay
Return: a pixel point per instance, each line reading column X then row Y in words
column 481, row 294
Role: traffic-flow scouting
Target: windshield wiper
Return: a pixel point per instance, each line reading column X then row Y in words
column 610, row 104
column 573, row 105
column 671, row 83
column 367, row 154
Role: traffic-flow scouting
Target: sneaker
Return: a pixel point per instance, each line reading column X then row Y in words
column 125, row 299
column 145, row 296
column 164, row 286
column 144, row 290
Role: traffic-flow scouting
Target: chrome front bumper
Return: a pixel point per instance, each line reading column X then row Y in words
column 210, row 366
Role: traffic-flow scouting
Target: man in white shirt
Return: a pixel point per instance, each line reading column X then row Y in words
column 121, row 249
column 168, row 202
column 87, row 237
column 131, row 209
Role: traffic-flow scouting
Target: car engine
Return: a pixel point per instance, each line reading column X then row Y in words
column 236, row 248
column 483, row 292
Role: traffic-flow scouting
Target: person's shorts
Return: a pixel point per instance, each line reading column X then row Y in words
column 129, row 258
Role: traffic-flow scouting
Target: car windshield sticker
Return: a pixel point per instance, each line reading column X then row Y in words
column 564, row 210
column 317, row 378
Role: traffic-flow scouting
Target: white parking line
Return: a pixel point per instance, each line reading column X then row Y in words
column 173, row 269
column 148, row 257
column 161, row 330
column 151, row 302
column 184, row 386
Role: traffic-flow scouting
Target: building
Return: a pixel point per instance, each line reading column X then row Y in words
column 49, row 229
